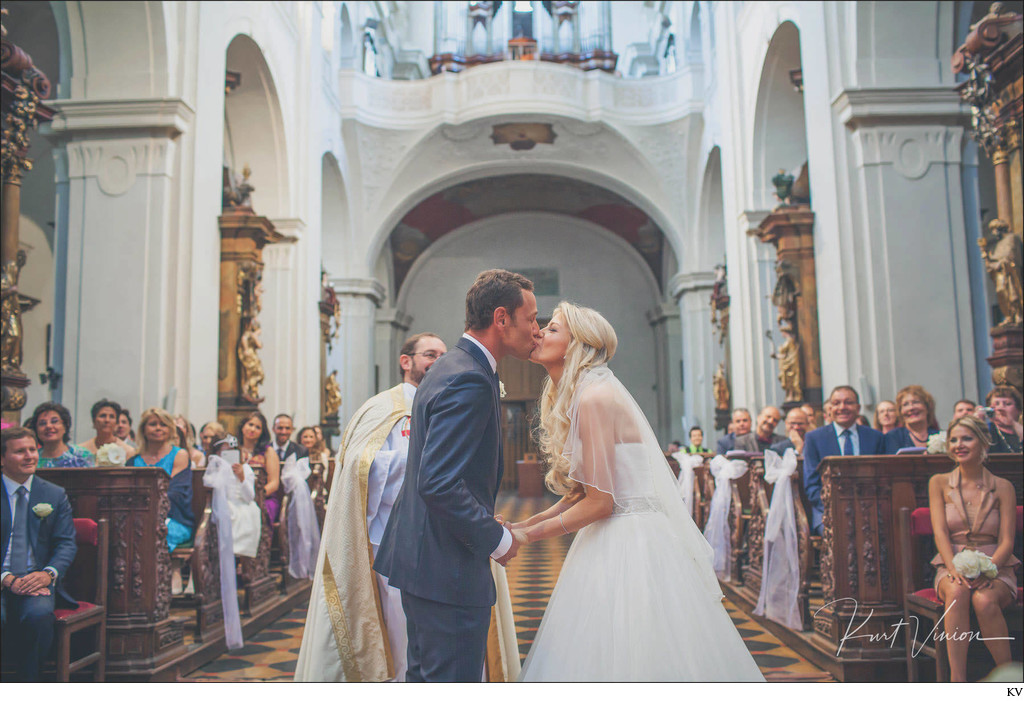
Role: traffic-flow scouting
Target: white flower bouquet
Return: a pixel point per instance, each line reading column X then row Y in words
column 936, row 444
column 110, row 455
column 973, row 564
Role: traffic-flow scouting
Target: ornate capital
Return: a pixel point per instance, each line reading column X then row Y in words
column 681, row 283
column 360, row 287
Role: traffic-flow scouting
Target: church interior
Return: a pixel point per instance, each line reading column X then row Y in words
column 226, row 213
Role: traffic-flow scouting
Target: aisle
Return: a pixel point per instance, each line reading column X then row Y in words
column 271, row 654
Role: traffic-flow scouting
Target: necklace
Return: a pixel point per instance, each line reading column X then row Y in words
column 917, row 438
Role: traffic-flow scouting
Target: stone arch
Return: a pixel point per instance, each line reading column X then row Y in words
column 334, row 216
column 779, row 128
column 255, row 133
column 347, row 49
column 709, row 242
column 694, row 46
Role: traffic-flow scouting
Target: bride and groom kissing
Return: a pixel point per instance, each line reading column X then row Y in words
column 637, row 598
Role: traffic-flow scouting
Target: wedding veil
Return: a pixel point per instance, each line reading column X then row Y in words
column 611, row 447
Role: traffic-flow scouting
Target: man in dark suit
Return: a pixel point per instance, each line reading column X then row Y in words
column 283, row 446
column 37, row 539
column 842, row 437
column 796, row 432
column 442, row 532
column 760, row 440
column 741, row 427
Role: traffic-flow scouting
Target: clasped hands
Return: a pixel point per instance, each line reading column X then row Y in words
column 518, row 540
column 971, row 584
column 32, row 584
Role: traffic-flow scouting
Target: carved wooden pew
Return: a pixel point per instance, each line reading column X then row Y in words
column 739, row 515
column 256, row 582
column 142, row 638
column 204, row 561
column 704, row 489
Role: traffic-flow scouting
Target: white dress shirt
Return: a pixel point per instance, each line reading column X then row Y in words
column 854, row 437
column 506, row 538
column 12, row 498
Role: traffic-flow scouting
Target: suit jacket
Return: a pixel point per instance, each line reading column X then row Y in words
column 441, row 533
column 51, row 538
column 725, row 444
column 752, row 444
column 291, row 448
column 821, row 443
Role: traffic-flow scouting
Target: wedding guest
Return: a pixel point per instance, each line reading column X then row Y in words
column 124, row 428
column 318, row 452
column 763, row 438
column 796, row 430
column 673, row 447
column 254, row 441
column 915, row 408
column 843, row 437
column 863, row 421
column 104, row 421
column 197, row 456
column 246, row 519
column 37, row 550
column 963, row 408
column 812, row 415
column 156, row 449
column 973, row 509
column 696, row 441
column 282, row 443
column 740, row 426
column 1004, row 420
column 51, row 422
column 211, row 433
column 885, row 416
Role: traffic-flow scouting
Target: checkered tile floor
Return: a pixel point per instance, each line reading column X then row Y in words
column 271, row 654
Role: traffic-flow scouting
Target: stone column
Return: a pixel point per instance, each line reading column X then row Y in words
column 701, row 351
column 664, row 320
column 352, row 355
column 391, row 330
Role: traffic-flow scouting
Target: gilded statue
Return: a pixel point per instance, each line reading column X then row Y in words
column 10, row 317
column 788, row 356
column 250, row 365
column 720, row 304
column 1004, row 259
column 721, row 388
column 332, row 395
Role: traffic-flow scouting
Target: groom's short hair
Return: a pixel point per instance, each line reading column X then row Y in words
column 493, row 289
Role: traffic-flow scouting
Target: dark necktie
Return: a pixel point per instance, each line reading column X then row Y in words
column 19, row 542
column 847, row 442
column 280, row 452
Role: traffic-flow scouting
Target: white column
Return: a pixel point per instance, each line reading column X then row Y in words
column 700, row 347
column 664, row 320
column 391, row 330
column 353, row 352
column 749, row 348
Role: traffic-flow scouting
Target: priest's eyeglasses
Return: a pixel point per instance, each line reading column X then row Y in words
column 430, row 355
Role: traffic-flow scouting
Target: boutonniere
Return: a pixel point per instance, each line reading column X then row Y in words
column 501, row 389
column 42, row 510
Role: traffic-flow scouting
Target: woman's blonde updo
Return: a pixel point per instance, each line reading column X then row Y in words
column 592, row 344
column 975, row 426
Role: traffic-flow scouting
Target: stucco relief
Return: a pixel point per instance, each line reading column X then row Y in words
column 665, row 148
column 380, row 152
column 115, row 165
column 910, row 152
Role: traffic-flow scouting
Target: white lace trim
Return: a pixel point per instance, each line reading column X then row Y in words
column 637, row 505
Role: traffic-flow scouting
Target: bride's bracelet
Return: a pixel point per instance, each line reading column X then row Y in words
column 564, row 529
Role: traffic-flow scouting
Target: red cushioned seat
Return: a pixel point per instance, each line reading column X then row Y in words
column 928, row 594
column 83, row 606
column 921, row 522
column 1020, row 596
column 87, row 531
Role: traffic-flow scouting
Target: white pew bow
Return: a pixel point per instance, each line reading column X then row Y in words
column 221, row 478
column 718, row 531
column 780, row 574
column 687, row 463
column 303, row 529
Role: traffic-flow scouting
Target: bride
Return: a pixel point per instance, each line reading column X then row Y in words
column 637, row 598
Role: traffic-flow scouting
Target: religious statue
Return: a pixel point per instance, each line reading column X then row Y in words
column 10, row 317
column 788, row 356
column 721, row 388
column 250, row 365
column 1004, row 260
column 720, row 304
column 784, row 295
column 332, row 395
column 237, row 192
column 783, row 183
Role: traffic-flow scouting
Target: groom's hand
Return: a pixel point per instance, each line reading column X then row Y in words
column 518, row 540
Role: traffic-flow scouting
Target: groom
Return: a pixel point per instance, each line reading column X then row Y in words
column 442, row 532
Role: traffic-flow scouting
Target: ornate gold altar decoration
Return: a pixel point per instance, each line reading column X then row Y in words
column 991, row 57
column 721, row 388
column 24, row 87
column 249, row 305
column 788, row 355
column 720, row 303
column 330, row 312
column 332, row 394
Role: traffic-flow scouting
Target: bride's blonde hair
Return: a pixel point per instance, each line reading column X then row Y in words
column 592, row 344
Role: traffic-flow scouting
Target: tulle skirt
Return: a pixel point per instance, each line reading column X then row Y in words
column 629, row 606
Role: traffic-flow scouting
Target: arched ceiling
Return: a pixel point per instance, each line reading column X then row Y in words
column 479, row 199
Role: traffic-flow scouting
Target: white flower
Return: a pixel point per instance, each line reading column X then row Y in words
column 501, row 389
column 42, row 510
column 936, row 444
column 972, row 563
column 110, row 454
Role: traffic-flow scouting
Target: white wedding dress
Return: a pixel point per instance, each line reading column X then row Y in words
column 637, row 598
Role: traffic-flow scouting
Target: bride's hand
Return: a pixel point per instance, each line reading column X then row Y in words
column 500, row 519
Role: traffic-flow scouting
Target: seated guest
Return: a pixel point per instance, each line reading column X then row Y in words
column 51, row 423
column 740, row 426
column 156, row 449
column 796, row 430
column 915, row 408
column 842, row 437
column 673, row 448
column 282, row 443
column 246, row 521
column 812, row 415
column 696, row 441
column 763, row 438
column 1003, row 416
column 318, row 452
column 973, row 509
column 254, row 441
column 863, row 420
column 211, row 433
column 885, row 416
column 124, row 428
column 964, row 407
column 104, row 421
column 197, row 456
column 38, row 548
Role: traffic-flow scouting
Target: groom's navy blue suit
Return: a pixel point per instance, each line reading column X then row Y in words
column 437, row 545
